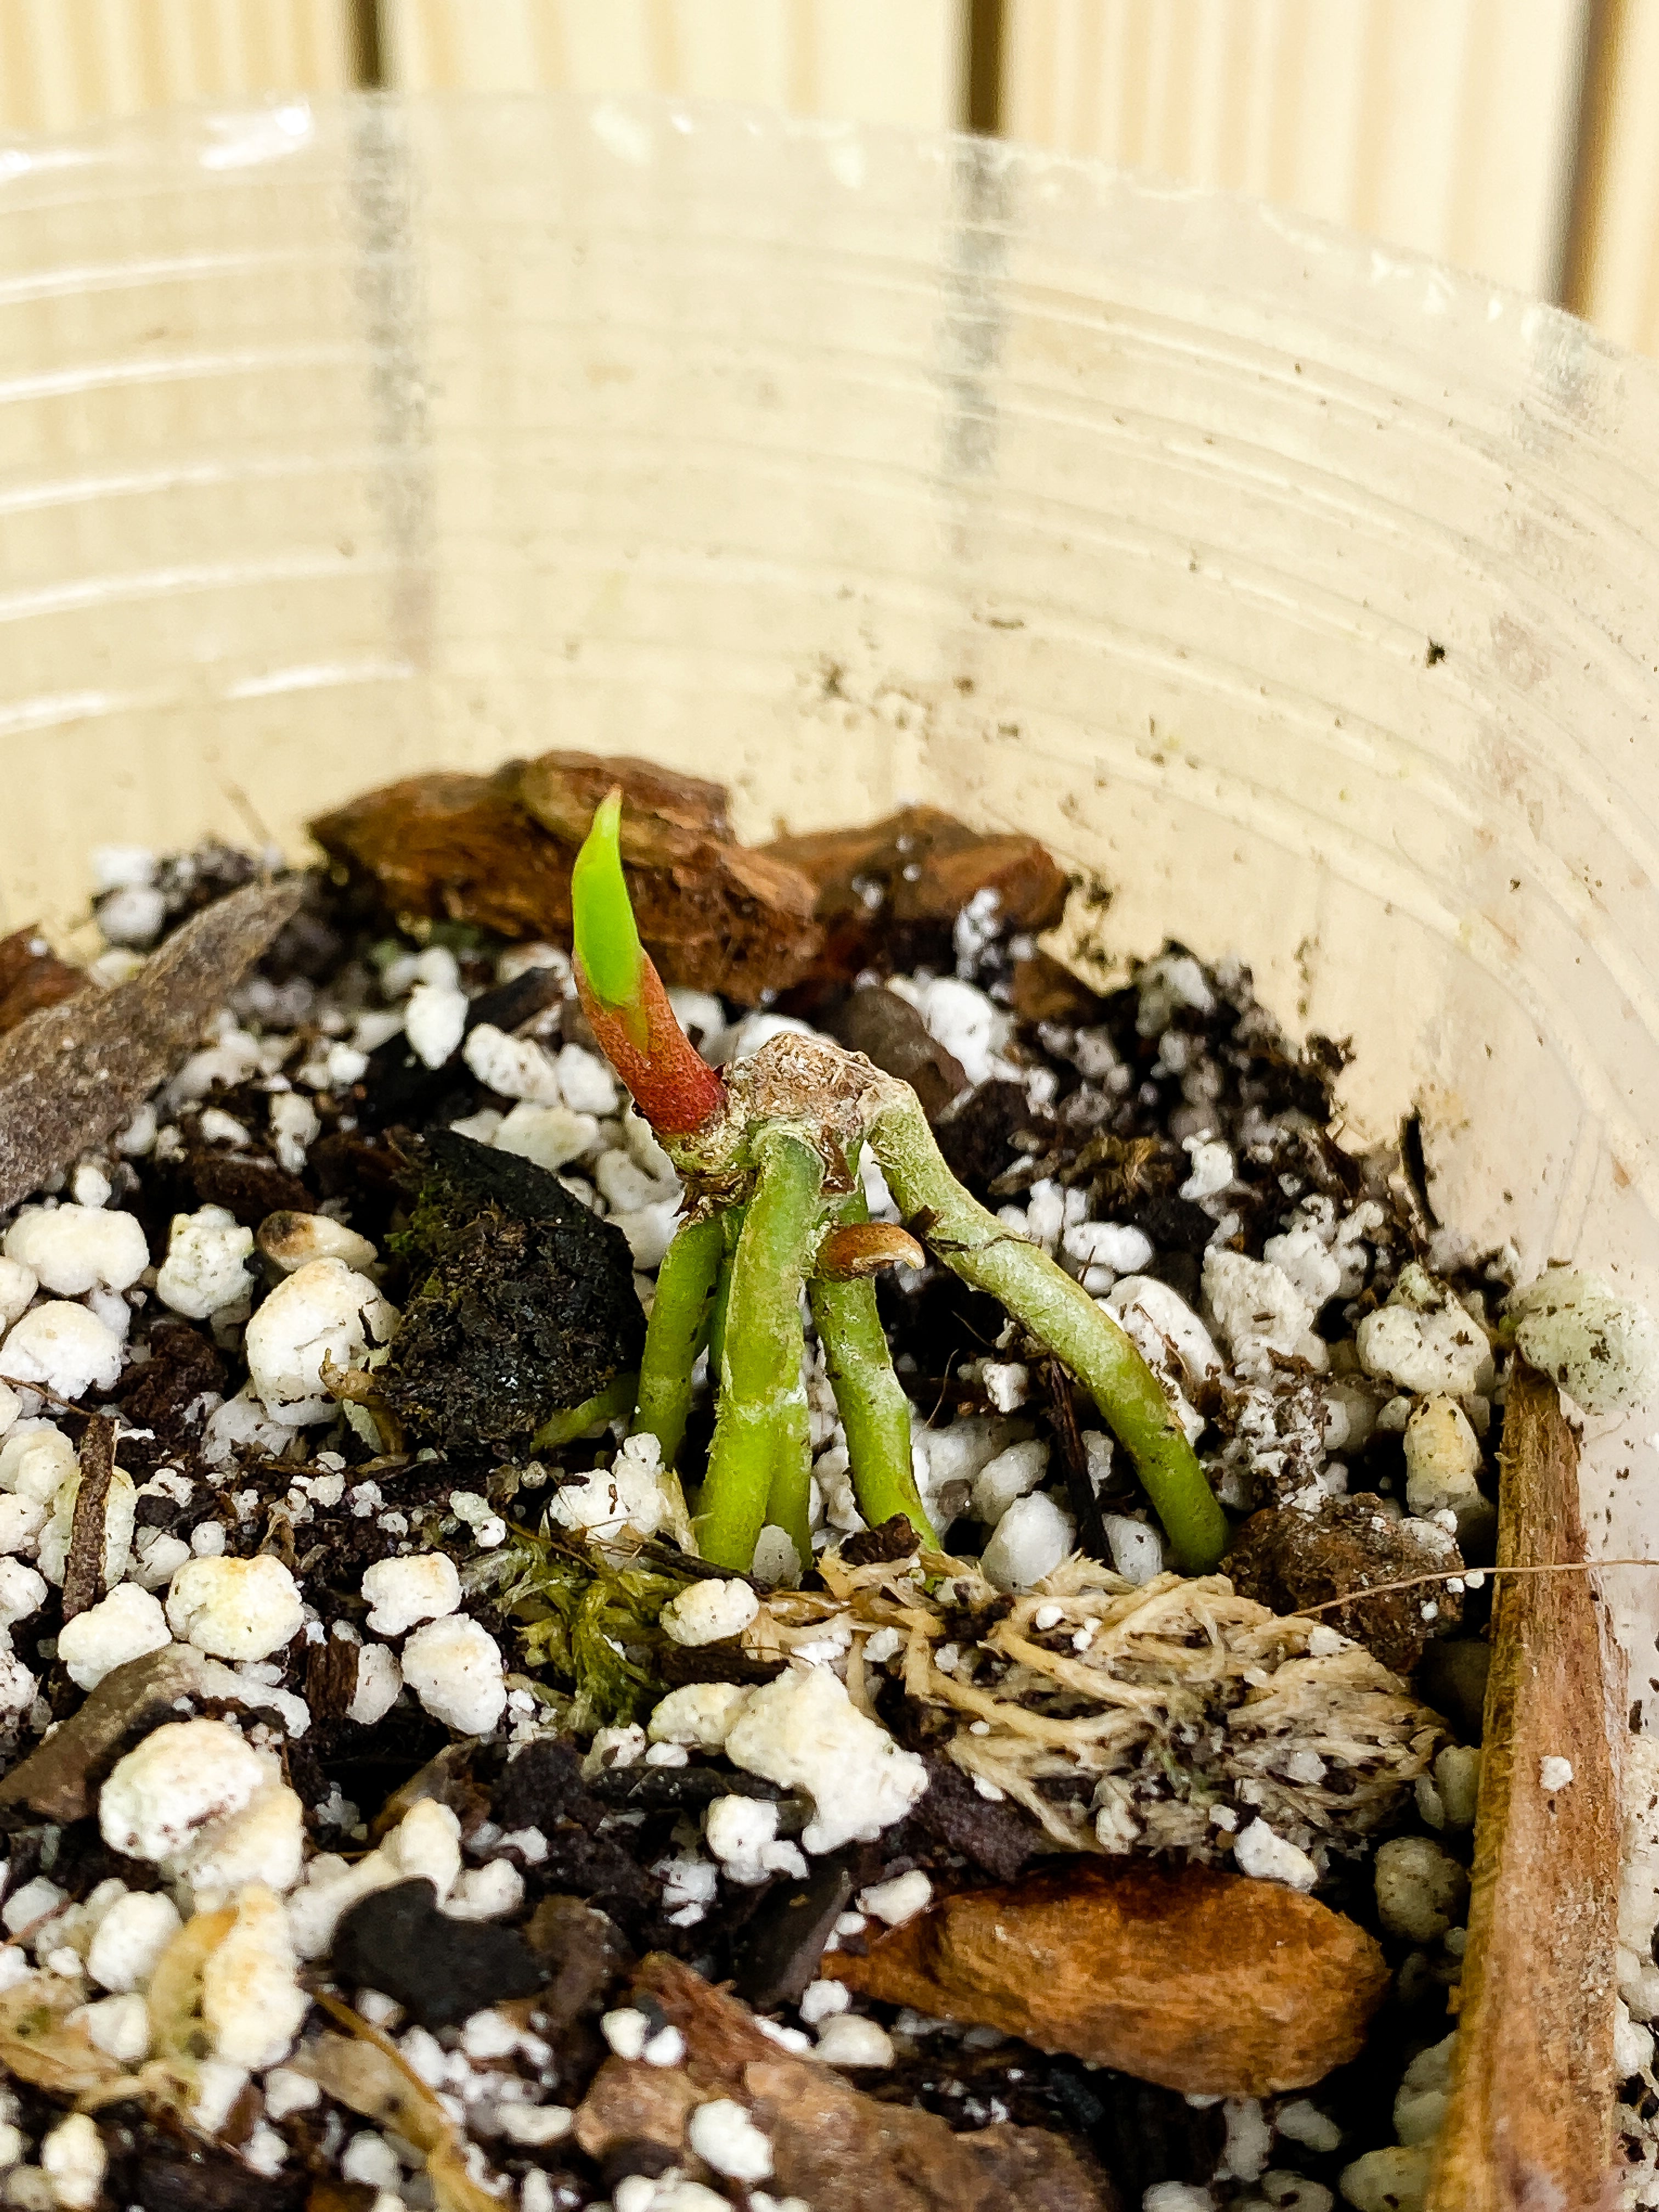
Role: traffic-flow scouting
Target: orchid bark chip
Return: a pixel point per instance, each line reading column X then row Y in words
column 770, row 1155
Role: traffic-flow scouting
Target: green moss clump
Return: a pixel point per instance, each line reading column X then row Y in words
column 590, row 1621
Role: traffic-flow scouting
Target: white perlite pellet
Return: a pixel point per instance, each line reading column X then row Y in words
column 708, row 1612
column 627, row 1495
column 22, row 1592
column 293, row 1241
column 72, row 1250
column 380, row 1680
column 252, row 2000
column 848, row 2039
column 401, row 1592
column 725, row 2137
column 434, row 1021
column 626, row 2030
column 182, row 1775
column 203, row 1272
column 130, row 1940
column 321, row 1313
column 123, row 1626
column 820, row 1999
column 550, row 1136
column 73, row 2157
column 1424, row 1340
column 1031, row 1539
column 295, row 1128
column 69, row 1350
column 455, row 1667
column 898, row 1900
column 512, row 1067
column 742, row 1834
column 1601, row 1348
column 1257, row 1850
column 803, row 1731
column 700, row 1714
column 235, row 1608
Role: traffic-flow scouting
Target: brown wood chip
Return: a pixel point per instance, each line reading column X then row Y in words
column 331, row 1677
column 497, row 850
column 889, row 892
column 842, row 2150
column 83, row 1570
column 1530, row 2118
column 32, row 976
column 1209, row 1982
column 60, row 1779
column 71, row 1074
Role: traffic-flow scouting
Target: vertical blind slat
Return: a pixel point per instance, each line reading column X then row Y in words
column 69, row 62
column 881, row 61
column 1448, row 125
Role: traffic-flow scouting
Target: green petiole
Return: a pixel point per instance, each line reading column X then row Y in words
column 677, row 1332
column 1027, row 1282
column 873, row 1408
column 760, row 1448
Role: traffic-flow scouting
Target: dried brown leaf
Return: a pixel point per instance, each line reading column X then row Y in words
column 366, row 2071
column 38, row 2046
column 179, row 2040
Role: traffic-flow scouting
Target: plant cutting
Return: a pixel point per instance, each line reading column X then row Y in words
column 769, row 1157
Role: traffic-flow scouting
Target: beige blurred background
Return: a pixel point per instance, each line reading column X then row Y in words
column 1519, row 139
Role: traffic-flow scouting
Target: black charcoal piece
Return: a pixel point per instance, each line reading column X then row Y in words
column 398, row 1085
column 441, row 1970
column 1174, row 1224
column 163, row 2175
column 777, row 1954
column 977, row 1135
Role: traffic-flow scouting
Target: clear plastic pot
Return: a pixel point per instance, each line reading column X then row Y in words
column 1301, row 593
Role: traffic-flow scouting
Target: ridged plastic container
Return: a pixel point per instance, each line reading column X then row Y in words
column 1303, row 594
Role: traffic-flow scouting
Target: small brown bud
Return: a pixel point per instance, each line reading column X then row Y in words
column 864, row 1248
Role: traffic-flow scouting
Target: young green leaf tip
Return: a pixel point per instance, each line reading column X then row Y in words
column 623, row 995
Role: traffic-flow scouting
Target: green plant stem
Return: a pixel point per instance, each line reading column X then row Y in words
column 983, row 1252
column 789, row 1500
column 615, row 1399
column 731, row 1229
column 759, row 1449
column 874, row 1410
column 677, row 1332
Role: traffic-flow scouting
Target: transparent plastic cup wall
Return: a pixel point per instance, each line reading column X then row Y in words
column 1304, row 595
